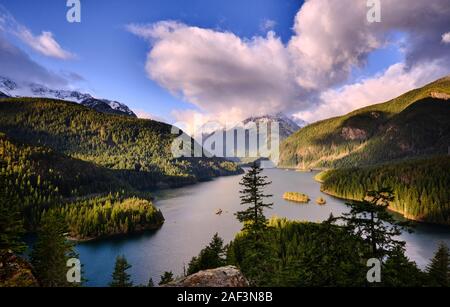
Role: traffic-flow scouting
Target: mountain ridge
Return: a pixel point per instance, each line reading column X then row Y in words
column 376, row 133
column 35, row 90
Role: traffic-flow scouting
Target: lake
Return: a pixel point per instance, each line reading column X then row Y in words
column 191, row 221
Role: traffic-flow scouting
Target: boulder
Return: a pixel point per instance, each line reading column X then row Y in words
column 228, row 277
column 16, row 272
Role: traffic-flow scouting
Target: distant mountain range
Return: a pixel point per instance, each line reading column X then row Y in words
column 287, row 126
column 11, row 88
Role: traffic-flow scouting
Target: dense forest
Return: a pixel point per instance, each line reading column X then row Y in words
column 139, row 149
column 415, row 124
column 422, row 187
column 110, row 215
column 41, row 180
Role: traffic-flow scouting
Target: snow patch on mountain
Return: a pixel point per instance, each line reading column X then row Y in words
column 14, row 89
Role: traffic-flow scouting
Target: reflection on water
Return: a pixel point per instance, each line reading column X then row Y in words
column 191, row 221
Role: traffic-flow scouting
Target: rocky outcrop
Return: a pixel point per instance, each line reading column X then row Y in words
column 439, row 95
column 229, row 277
column 16, row 272
column 353, row 134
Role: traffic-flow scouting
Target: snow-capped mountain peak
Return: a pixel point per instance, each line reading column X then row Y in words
column 107, row 106
column 14, row 89
column 287, row 124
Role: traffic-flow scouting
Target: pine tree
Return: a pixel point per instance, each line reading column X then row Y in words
column 11, row 226
column 51, row 252
column 11, row 231
column 166, row 278
column 253, row 195
column 121, row 279
column 150, row 284
column 439, row 269
column 399, row 271
column 211, row 257
column 370, row 220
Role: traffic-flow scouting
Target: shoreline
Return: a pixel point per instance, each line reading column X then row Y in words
column 392, row 210
column 110, row 236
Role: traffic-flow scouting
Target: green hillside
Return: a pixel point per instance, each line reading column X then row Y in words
column 140, row 150
column 415, row 124
column 422, row 187
column 38, row 180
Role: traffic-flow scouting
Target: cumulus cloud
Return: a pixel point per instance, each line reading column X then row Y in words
column 332, row 37
column 228, row 76
column 218, row 71
column 44, row 43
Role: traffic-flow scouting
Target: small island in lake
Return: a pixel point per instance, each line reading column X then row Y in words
column 296, row 197
column 321, row 201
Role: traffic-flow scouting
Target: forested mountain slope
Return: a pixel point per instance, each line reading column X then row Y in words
column 421, row 187
column 416, row 124
column 36, row 179
column 139, row 149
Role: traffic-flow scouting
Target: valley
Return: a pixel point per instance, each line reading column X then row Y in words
column 112, row 178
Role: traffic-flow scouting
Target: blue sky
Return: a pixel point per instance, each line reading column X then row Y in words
column 114, row 62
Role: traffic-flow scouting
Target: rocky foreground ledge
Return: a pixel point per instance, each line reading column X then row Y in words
column 228, row 277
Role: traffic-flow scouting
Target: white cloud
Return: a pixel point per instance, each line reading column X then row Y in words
column 446, row 38
column 218, row 71
column 393, row 82
column 44, row 44
column 226, row 76
column 16, row 64
column 332, row 37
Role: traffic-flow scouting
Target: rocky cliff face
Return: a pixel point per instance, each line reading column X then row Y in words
column 228, row 276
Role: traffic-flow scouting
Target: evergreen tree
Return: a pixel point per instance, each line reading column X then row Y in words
column 253, row 195
column 166, row 278
column 439, row 269
column 370, row 220
column 211, row 257
column 11, row 226
column 399, row 271
column 51, row 252
column 150, row 284
column 120, row 277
